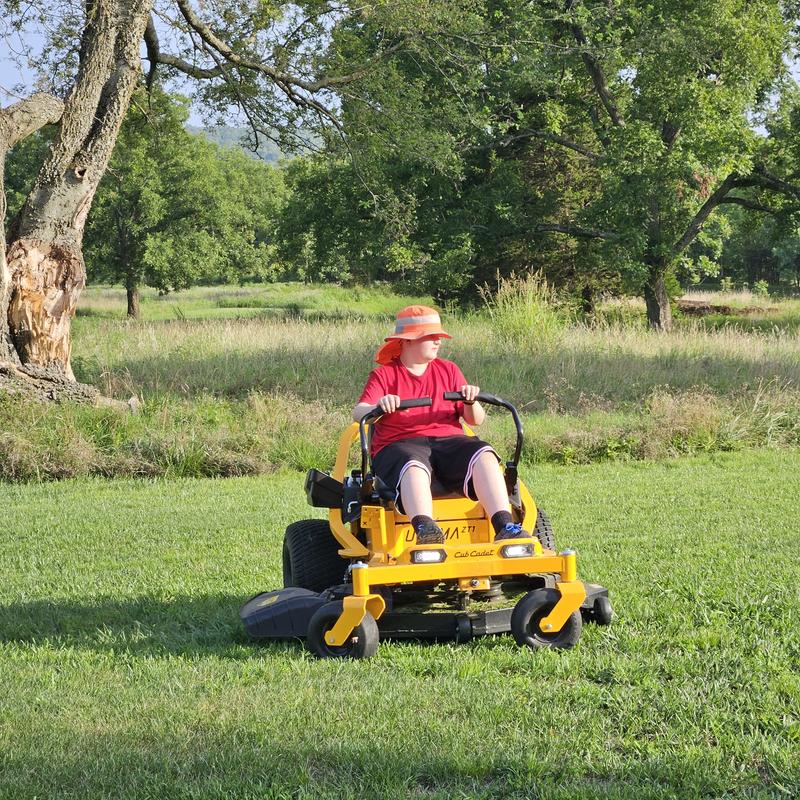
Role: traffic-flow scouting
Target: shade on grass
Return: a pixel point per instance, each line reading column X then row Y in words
column 124, row 673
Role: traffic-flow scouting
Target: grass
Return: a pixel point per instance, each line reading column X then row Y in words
column 294, row 300
column 246, row 395
column 125, row 673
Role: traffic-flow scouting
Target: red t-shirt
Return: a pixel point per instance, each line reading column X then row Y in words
column 439, row 419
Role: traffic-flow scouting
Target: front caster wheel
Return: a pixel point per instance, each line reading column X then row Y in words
column 362, row 643
column 602, row 612
column 529, row 612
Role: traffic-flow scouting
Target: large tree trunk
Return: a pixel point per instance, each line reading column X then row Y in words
column 133, row 301
column 659, row 312
column 16, row 122
column 45, row 256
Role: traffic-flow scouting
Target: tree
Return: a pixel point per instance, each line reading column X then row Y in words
column 621, row 126
column 271, row 61
column 174, row 209
column 668, row 90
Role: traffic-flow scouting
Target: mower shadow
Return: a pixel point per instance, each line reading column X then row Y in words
column 196, row 625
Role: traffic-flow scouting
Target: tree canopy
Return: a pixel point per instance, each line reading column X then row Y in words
column 174, row 209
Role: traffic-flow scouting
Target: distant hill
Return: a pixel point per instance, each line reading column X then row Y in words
column 226, row 136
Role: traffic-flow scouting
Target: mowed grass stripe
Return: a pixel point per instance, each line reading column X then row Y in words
column 124, row 672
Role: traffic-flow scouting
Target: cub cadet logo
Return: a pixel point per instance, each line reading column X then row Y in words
column 473, row 553
column 449, row 533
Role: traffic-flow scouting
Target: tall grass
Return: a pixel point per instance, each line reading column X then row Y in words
column 244, row 396
column 520, row 310
column 585, row 367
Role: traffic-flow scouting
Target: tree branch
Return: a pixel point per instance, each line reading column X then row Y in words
column 598, row 77
column 185, row 67
column 551, row 137
column 284, row 78
column 703, row 214
column 768, row 181
column 751, row 204
column 23, row 118
column 153, row 51
column 576, row 230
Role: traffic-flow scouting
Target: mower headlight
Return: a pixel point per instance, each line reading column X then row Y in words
column 428, row 556
column 517, row 550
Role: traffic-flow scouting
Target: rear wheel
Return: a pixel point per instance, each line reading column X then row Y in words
column 362, row 642
column 544, row 531
column 311, row 557
column 531, row 610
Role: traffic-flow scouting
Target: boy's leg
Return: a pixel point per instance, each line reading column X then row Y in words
column 415, row 490
column 406, row 466
column 471, row 464
column 415, row 493
column 490, row 487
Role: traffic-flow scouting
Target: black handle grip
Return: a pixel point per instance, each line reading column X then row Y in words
column 418, row 403
column 482, row 397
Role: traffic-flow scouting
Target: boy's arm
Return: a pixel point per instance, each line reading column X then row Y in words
column 473, row 413
column 361, row 409
column 371, row 396
column 388, row 403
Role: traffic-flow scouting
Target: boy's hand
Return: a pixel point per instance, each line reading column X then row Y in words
column 470, row 393
column 389, row 403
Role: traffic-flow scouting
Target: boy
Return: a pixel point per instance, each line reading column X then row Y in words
column 410, row 446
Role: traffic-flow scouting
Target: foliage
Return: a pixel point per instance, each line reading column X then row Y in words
column 517, row 163
column 174, row 209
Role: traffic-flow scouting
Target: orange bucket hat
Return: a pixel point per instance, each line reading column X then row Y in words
column 411, row 322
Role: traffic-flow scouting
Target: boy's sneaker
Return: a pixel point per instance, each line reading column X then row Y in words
column 429, row 533
column 513, row 530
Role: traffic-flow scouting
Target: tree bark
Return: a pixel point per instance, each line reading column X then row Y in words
column 659, row 312
column 133, row 301
column 45, row 256
column 587, row 300
column 16, row 122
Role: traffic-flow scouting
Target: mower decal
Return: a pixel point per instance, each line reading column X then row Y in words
column 473, row 553
column 268, row 601
column 454, row 532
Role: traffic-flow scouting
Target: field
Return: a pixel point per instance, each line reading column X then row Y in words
column 242, row 381
column 669, row 462
column 125, row 673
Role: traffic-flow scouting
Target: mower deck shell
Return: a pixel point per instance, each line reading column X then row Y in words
column 286, row 613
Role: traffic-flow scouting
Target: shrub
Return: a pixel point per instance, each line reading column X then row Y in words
column 526, row 310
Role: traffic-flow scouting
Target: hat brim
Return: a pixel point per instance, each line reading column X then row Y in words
column 411, row 337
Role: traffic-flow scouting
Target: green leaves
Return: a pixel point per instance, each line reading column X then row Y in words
column 175, row 209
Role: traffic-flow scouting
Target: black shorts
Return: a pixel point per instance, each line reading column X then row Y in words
column 450, row 459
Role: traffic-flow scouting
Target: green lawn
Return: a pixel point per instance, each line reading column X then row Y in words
column 123, row 671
